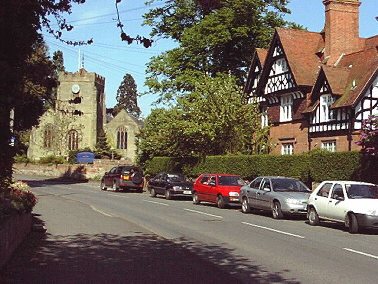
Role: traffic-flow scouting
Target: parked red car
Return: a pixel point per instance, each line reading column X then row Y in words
column 221, row 189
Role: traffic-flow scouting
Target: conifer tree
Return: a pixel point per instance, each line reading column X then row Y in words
column 127, row 95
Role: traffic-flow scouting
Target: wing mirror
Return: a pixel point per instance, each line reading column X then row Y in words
column 266, row 189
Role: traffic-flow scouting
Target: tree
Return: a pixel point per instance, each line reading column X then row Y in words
column 20, row 25
column 127, row 95
column 369, row 136
column 212, row 36
column 212, row 120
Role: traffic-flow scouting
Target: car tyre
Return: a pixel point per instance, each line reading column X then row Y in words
column 313, row 217
column 196, row 200
column 353, row 224
column 152, row 192
column 276, row 210
column 115, row 186
column 245, row 205
column 220, row 202
column 102, row 185
column 168, row 194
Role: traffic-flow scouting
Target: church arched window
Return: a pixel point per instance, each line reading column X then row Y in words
column 48, row 136
column 73, row 140
column 122, row 138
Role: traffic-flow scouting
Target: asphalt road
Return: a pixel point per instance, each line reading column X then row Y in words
column 123, row 237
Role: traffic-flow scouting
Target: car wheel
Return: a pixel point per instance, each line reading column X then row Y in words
column 313, row 217
column 115, row 186
column 220, row 202
column 353, row 224
column 276, row 210
column 102, row 185
column 245, row 205
column 168, row 194
column 196, row 199
column 152, row 192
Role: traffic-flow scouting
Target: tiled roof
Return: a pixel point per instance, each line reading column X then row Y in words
column 261, row 54
column 363, row 65
column 300, row 48
column 337, row 78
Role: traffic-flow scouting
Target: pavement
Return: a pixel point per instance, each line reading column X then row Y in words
column 72, row 243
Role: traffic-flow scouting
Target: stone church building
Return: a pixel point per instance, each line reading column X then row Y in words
column 80, row 118
column 315, row 89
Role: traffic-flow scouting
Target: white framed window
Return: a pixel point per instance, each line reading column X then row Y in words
column 264, row 118
column 287, row 149
column 329, row 145
column 326, row 114
column 286, row 108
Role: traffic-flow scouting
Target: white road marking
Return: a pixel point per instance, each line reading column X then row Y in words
column 273, row 230
column 362, row 253
column 99, row 211
column 155, row 202
column 203, row 213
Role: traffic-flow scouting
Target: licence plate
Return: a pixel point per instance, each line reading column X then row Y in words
column 187, row 192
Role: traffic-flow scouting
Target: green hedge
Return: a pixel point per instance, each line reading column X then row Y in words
column 310, row 167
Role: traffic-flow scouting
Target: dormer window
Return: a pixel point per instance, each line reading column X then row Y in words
column 326, row 114
column 286, row 108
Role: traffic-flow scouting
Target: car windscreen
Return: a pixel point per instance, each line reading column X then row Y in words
column 356, row 191
column 176, row 177
column 289, row 185
column 230, row 180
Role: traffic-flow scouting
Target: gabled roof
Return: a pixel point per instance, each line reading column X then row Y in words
column 258, row 58
column 363, row 67
column 337, row 78
column 301, row 48
column 261, row 55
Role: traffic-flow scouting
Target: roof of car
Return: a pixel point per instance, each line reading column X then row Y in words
column 218, row 174
column 348, row 182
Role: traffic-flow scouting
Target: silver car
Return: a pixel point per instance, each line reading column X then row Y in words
column 281, row 195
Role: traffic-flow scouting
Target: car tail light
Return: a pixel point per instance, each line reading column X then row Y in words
column 125, row 177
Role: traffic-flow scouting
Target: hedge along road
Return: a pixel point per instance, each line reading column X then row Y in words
column 111, row 233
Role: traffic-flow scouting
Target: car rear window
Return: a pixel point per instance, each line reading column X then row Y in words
column 126, row 170
column 355, row 191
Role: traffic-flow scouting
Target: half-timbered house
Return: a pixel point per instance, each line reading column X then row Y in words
column 315, row 89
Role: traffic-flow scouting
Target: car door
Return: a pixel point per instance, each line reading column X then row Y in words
column 211, row 188
column 263, row 196
column 202, row 187
column 321, row 200
column 337, row 204
column 109, row 177
column 154, row 182
column 252, row 192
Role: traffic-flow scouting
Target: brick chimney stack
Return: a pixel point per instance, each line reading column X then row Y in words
column 341, row 28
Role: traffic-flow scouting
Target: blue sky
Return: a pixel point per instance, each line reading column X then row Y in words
column 110, row 57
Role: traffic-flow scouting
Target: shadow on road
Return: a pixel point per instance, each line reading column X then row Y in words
column 136, row 258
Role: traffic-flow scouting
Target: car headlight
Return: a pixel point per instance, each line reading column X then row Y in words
column 372, row 212
column 232, row 193
column 293, row 201
column 176, row 187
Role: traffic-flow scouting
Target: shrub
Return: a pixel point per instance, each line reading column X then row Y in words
column 52, row 160
column 315, row 166
column 17, row 198
column 21, row 159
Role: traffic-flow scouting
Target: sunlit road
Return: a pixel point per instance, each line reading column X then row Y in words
column 252, row 247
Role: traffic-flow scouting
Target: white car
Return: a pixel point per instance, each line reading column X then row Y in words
column 353, row 203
